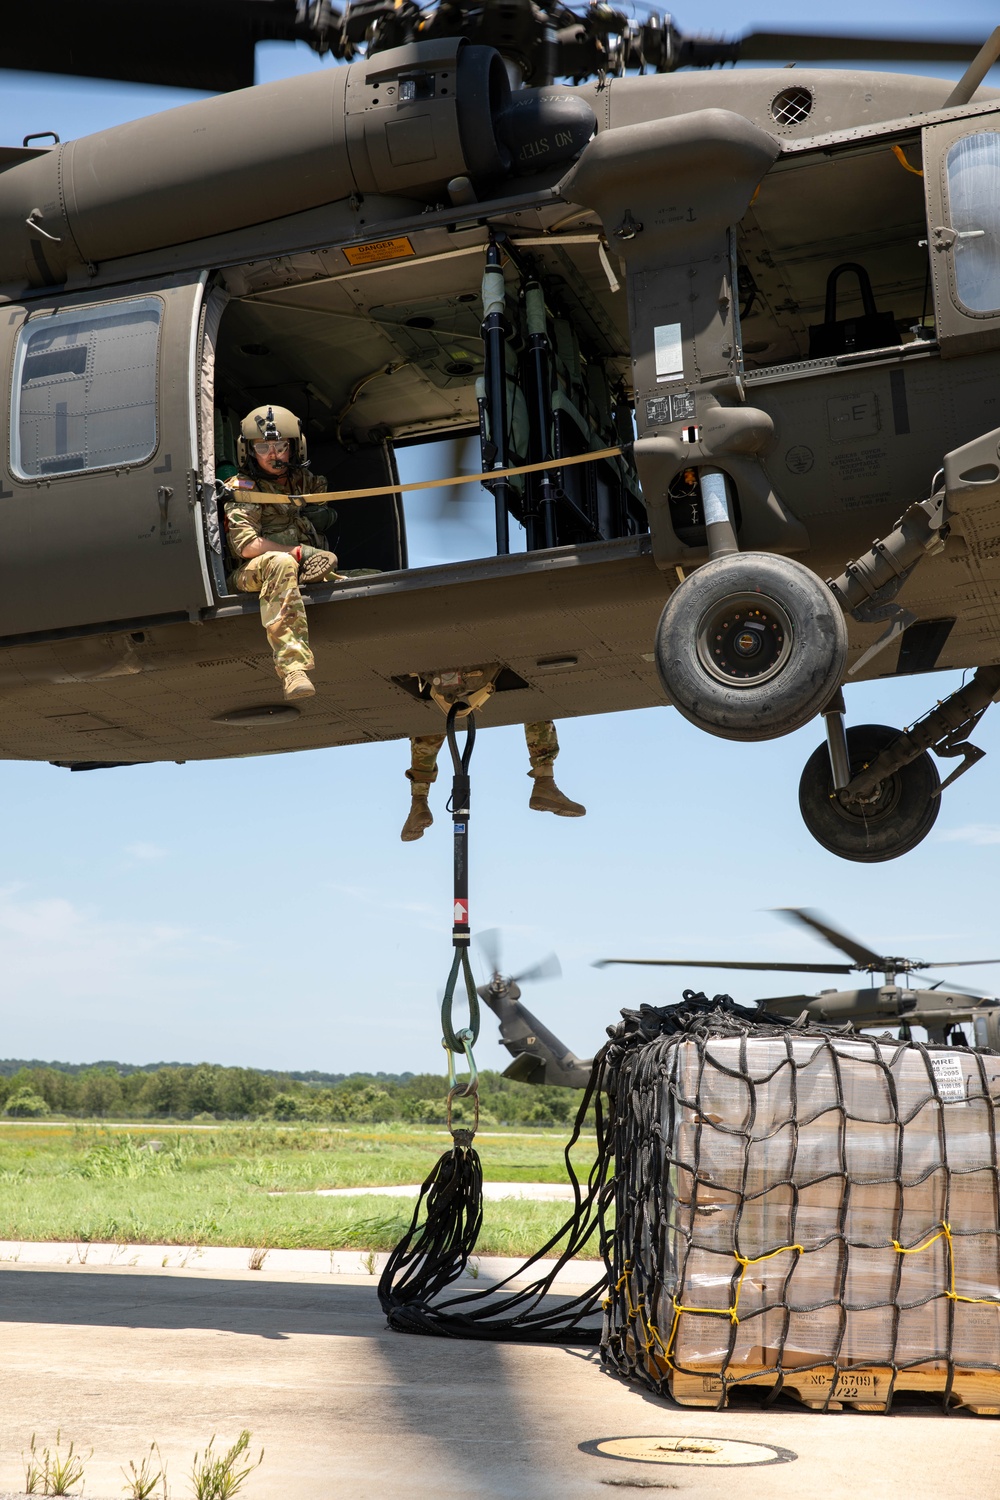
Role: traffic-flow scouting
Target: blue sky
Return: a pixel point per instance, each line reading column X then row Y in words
column 139, row 922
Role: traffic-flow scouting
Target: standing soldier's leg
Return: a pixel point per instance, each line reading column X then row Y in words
column 543, row 747
column 423, row 770
column 274, row 576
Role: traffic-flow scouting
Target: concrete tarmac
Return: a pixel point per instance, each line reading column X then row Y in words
column 346, row 1410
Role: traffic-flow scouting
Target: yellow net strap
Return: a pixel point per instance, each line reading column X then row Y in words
column 324, row 497
column 651, row 1335
column 732, row 1312
column 944, row 1233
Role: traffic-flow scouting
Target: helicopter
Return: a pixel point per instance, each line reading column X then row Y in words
column 713, row 329
column 942, row 1013
column 538, row 1054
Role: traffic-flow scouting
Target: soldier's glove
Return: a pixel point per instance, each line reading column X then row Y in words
column 315, row 564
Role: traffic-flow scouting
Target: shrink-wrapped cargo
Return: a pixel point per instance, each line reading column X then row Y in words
column 806, row 1206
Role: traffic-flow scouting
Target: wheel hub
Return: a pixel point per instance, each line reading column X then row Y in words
column 745, row 639
column 879, row 801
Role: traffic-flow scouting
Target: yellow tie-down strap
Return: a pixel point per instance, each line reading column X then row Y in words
column 945, row 1233
column 323, row 497
column 651, row 1335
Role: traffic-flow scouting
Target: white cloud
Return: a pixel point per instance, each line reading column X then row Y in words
column 145, row 851
column 51, row 947
column 973, row 833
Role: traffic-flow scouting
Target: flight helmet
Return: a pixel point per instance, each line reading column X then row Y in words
column 270, row 424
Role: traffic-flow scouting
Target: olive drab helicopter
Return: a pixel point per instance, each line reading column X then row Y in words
column 941, row 1012
column 716, row 332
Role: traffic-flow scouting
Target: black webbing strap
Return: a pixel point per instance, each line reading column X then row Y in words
column 461, row 1041
column 448, row 1216
column 433, row 1254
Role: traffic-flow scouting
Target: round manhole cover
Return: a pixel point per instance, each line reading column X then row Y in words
column 703, row 1451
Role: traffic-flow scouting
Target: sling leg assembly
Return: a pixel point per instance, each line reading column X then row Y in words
column 461, row 1041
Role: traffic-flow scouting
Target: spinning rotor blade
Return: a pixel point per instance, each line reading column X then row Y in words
column 966, row 992
column 714, row 963
column 547, row 968
column 488, row 943
column 960, row 963
column 861, row 955
column 791, row 46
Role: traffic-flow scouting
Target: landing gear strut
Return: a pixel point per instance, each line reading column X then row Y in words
column 889, row 819
column 890, row 799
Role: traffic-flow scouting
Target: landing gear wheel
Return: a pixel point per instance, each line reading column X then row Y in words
column 751, row 646
column 898, row 814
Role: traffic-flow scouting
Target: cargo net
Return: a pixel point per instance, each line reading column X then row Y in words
column 802, row 1208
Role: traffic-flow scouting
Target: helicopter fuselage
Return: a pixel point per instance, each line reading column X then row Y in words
column 298, row 241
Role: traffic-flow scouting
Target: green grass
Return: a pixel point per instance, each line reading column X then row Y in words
column 79, row 1182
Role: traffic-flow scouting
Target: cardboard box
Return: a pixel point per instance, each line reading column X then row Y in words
column 840, row 1146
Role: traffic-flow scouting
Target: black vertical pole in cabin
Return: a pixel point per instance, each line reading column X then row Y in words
column 540, row 399
column 494, row 331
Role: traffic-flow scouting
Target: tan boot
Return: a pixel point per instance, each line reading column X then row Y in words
column 546, row 797
column 420, row 816
column 297, row 685
column 316, row 567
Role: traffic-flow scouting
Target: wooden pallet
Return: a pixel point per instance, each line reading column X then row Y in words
column 860, row 1388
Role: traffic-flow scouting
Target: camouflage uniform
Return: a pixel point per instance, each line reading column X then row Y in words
column 541, row 739
column 274, row 575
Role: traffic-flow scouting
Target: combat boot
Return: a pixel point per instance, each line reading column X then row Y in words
column 546, row 796
column 317, row 567
column 420, row 816
column 297, row 685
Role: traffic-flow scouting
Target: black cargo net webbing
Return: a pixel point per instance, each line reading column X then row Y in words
column 796, row 1203
column 789, row 1204
column 436, row 1248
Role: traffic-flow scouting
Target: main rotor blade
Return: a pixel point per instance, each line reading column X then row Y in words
column 488, row 943
column 791, row 46
column 718, row 963
column 546, row 968
column 960, row 963
column 837, row 939
column 965, row 992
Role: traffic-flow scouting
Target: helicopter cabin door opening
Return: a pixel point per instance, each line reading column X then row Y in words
column 393, row 353
column 100, row 518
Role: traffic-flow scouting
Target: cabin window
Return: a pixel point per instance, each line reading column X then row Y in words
column 84, row 389
column 974, row 199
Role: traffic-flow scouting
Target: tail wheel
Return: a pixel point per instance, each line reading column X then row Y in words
column 751, row 646
column 898, row 814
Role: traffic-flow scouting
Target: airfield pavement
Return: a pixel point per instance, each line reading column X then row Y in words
column 118, row 1356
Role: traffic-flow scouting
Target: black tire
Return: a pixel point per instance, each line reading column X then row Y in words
column 795, row 641
column 900, row 814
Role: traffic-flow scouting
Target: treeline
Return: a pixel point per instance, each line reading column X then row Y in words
column 204, row 1091
column 11, row 1065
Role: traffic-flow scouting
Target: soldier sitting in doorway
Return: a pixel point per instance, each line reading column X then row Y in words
column 277, row 546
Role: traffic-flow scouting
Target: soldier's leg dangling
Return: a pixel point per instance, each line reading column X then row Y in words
column 423, row 771
column 543, row 747
column 274, row 576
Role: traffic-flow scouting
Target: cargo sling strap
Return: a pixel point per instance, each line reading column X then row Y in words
column 435, row 1250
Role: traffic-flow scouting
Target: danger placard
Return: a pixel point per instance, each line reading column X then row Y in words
column 461, row 911
column 378, row 250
